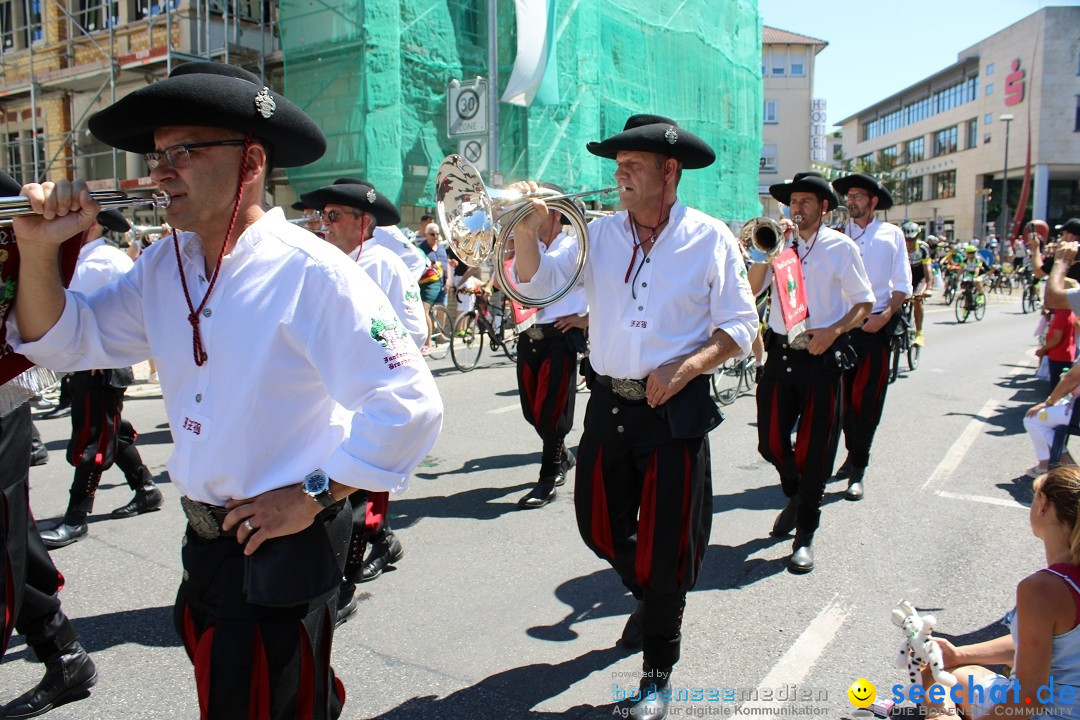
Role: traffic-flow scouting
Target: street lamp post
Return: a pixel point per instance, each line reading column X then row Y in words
column 1007, row 119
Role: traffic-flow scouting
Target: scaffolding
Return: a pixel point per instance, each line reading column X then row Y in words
column 63, row 60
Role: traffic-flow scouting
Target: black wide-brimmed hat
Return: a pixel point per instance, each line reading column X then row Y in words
column 811, row 182
column 1071, row 225
column 867, row 183
column 657, row 134
column 211, row 94
column 113, row 220
column 298, row 205
column 355, row 193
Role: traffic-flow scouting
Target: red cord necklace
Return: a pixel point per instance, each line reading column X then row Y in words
column 193, row 313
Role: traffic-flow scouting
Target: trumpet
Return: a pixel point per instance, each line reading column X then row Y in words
column 138, row 231
column 305, row 220
column 466, row 209
column 765, row 234
column 19, row 206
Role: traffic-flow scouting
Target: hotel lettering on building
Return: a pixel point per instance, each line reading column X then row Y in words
column 946, row 139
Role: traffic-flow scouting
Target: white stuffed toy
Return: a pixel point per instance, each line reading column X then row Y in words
column 919, row 648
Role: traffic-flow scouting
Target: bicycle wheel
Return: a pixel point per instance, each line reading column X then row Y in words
column 962, row 310
column 467, row 343
column 913, row 351
column 980, row 306
column 750, row 372
column 949, row 294
column 894, row 361
column 442, row 331
column 510, row 343
column 726, row 380
column 1025, row 300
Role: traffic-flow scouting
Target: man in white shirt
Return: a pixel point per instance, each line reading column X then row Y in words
column 100, row 436
column 547, row 368
column 801, row 385
column 884, row 255
column 351, row 210
column 668, row 302
column 391, row 238
column 288, row 379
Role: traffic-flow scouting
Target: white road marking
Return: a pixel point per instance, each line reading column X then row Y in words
column 981, row 498
column 795, row 664
column 956, row 453
column 508, row 408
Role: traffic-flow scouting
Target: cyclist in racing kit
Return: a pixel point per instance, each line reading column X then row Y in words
column 974, row 268
column 922, row 278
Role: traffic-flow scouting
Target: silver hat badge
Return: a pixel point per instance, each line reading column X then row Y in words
column 371, row 196
column 671, row 136
column 264, row 103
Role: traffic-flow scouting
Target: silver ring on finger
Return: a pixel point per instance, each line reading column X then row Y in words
column 248, row 525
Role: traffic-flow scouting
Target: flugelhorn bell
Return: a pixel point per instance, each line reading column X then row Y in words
column 765, row 234
column 19, row 206
column 467, row 210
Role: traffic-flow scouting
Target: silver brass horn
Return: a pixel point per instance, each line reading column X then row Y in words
column 467, row 211
column 18, row 206
column 838, row 219
column 765, row 234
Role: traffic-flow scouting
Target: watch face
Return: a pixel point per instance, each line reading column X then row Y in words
column 315, row 483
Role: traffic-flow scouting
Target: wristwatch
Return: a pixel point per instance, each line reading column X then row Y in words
column 317, row 486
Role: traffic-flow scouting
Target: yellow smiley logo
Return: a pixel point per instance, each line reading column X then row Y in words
column 862, row 693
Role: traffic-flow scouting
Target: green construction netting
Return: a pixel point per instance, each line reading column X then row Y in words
column 374, row 75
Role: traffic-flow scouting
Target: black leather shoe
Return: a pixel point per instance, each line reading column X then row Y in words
column 655, row 696
column 40, row 456
column 802, row 555
column 58, row 412
column 63, row 535
column 147, row 499
column 633, row 633
column 347, row 603
column 785, row 521
column 385, row 551
column 542, row 494
column 844, row 471
column 559, row 478
column 68, row 677
column 855, row 484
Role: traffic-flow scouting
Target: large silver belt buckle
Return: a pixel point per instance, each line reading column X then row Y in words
column 800, row 341
column 200, row 518
column 628, row 389
column 535, row 332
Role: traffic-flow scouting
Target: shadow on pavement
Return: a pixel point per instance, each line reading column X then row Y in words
column 150, row 627
column 485, row 503
column 515, row 692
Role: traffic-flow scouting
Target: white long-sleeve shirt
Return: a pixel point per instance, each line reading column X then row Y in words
column 692, row 283
column 293, row 329
column 99, row 264
column 573, row 302
column 393, row 278
column 884, row 255
column 391, row 238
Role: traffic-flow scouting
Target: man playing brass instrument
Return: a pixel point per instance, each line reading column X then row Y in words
column 801, row 388
column 668, row 302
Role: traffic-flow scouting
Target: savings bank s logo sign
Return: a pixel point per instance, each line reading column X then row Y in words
column 1014, row 84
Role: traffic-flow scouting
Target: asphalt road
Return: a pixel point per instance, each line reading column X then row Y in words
column 501, row 613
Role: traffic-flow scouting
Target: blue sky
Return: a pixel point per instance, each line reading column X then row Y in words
column 877, row 48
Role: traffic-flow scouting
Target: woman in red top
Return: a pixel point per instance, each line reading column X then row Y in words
column 1060, row 346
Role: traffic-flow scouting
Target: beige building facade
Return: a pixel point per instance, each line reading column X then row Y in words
column 793, row 122
column 956, row 137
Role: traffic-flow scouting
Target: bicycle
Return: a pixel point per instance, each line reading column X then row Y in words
column 728, row 379
column 474, row 327
column 968, row 303
column 1031, row 300
column 952, row 283
column 903, row 343
column 442, row 331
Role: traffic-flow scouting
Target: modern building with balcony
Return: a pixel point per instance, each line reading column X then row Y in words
column 952, row 141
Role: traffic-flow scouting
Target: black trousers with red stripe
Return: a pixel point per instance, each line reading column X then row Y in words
column 252, row 662
column 91, row 433
column 644, row 503
column 865, row 386
column 801, row 391
column 547, row 386
column 29, row 582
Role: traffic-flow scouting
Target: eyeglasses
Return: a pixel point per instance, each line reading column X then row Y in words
column 333, row 216
column 179, row 156
column 432, row 234
column 857, row 196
